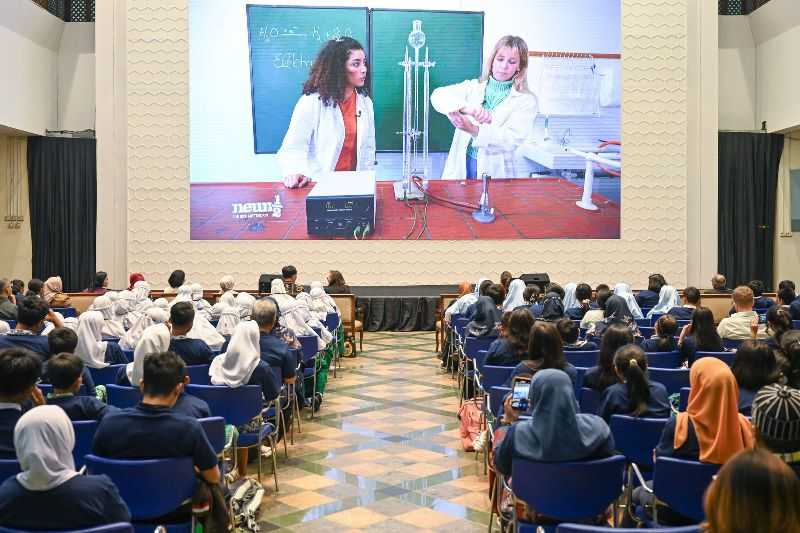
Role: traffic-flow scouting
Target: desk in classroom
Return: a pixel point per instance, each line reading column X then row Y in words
column 526, row 208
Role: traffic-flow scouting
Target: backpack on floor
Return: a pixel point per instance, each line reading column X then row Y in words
column 245, row 502
column 470, row 415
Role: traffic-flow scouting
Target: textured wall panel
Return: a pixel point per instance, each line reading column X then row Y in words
column 654, row 131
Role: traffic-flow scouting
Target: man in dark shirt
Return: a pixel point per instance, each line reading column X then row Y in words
column 649, row 297
column 192, row 351
column 152, row 429
column 274, row 351
column 64, row 371
column 19, row 372
column 289, row 275
column 64, row 340
column 684, row 312
column 31, row 315
column 8, row 305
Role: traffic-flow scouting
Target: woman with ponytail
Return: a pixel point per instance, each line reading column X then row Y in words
column 635, row 394
column 779, row 321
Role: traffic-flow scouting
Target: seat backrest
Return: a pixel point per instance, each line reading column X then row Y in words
column 236, row 405
column 664, row 359
column 84, row 435
column 141, row 482
column 332, row 321
column 198, row 374
column 681, row 484
column 684, row 401
column 732, row 343
column 473, row 344
column 47, row 388
column 346, row 303
column 636, row 438
column 572, row 490
column 480, row 359
column 8, row 468
column 309, row 346
column 460, row 326
column 494, row 376
column 647, row 332
column 643, row 322
column 580, row 528
column 589, row 401
column 586, row 359
column 674, row 379
column 104, row 376
column 496, row 396
column 726, row 357
column 118, row 527
column 214, row 427
column 122, row 397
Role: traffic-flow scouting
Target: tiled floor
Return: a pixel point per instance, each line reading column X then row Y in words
column 384, row 453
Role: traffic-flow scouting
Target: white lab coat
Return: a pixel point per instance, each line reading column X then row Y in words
column 314, row 140
column 512, row 125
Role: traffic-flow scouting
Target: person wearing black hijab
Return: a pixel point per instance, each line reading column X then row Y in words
column 487, row 316
column 616, row 312
column 552, row 307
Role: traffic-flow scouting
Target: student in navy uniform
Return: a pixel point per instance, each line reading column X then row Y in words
column 531, row 295
column 649, row 297
column 152, row 429
column 754, row 366
column 64, row 340
column 760, row 302
column 49, row 494
column 786, row 295
column 603, row 375
column 583, row 296
column 487, row 314
column 31, row 315
column 544, row 351
column 779, row 322
column 692, row 298
column 274, row 351
column 634, row 395
column 19, row 372
column 64, row 371
column 570, row 332
column 663, row 340
column 513, row 347
column 192, row 351
column 186, row 404
column 482, row 288
column 699, row 336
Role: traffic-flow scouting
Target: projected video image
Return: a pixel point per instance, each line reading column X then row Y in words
column 361, row 123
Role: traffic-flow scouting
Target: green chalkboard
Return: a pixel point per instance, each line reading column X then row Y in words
column 455, row 42
column 283, row 44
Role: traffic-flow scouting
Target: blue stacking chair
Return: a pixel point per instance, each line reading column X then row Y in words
column 141, row 484
column 8, row 468
column 198, row 374
column 332, row 321
column 128, row 355
column 496, row 395
column 726, row 357
column 239, row 406
column 647, row 332
column 467, row 366
column 681, row 485
column 214, row 428
column 732, row 343
column 122, row 397
column 104, row 376
column 112, row 339
column 84, row 435
column 495, row 376
column 654, row 317
column 308, row 344
column 573, row 491
column 795, row 324
column 643, row 322
column 580, row 528
column 589, row 401
column 684, row 401
column 674, row 379
column 119, row 527
column 480, row 359
column 586, row 359
column 66, row 312
column 47, row 388
column 581, row 371
column 664, row 359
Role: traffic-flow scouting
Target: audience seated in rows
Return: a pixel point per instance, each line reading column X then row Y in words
column 633, row 394
column 33, row 311
column 49, row 494
column 615, row 311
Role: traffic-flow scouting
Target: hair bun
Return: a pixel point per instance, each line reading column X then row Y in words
column 633, row 362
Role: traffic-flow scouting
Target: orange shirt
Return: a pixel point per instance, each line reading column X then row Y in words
column 348, row 157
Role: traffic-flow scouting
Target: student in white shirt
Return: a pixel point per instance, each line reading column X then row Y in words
column 740, row 325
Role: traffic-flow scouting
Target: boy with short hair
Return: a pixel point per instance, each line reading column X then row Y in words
column 19, row 372
column 65, row 372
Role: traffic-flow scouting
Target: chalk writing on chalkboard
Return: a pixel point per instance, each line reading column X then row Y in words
column 271, row 33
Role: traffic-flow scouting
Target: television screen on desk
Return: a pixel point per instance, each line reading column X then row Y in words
column 523, row 132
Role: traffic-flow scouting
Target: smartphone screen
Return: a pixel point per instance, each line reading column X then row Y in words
column 519, row 395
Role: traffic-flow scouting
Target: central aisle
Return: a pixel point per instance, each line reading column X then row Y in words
column 385, row 454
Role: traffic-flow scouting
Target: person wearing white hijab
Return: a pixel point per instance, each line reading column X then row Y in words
column 667, row 299
column 5, row 328
column 49, row 494
column 279, row 294
column 569, row 296
column 161, row 303
column 184, row 295
column 245, row 301
column 317, row 304
column 154, row 315
column 155, row 339
column 514, row 297
column 124, row 309
column 226, row 300
column 112, row 295
column 204, row 331
column 228, row 319
column 141, row 295
column 93, row 351
column 200, row 304
column 460, row 306
column 327, row 297
column 226, row 284
column 111, row 328
column 293, row 317
column 624, row 290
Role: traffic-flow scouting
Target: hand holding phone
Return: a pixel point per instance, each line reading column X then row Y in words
column 519, row 394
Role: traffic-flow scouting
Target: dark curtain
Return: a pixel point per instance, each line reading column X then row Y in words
column 748, row 179
column 404, row 313
column 62, row 183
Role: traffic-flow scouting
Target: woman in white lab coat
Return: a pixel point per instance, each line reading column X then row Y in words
column 493, row 115
column 333, row 124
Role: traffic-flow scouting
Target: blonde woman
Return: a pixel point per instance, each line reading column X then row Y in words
column 492, row 115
